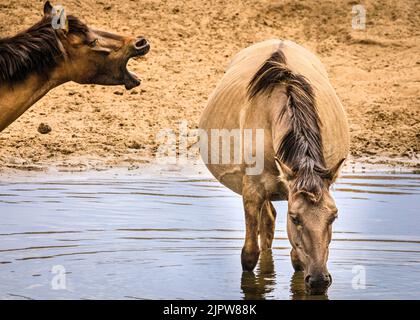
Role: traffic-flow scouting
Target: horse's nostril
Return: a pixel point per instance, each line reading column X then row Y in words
column 307, row 279
column 141, row 43
column 328, row 278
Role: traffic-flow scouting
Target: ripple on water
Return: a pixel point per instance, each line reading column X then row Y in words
column 181, row 238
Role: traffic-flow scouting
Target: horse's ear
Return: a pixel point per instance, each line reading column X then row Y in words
column 334, row 171
column 47, row 8
column 286, row 174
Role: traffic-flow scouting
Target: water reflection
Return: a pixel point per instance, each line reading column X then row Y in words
column 258, row 285
column 167, row 238
column 298, row 291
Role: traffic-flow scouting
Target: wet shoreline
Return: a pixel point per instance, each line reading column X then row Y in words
column 149, row 167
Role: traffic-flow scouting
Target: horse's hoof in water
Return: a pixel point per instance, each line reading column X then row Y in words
column 249, row 259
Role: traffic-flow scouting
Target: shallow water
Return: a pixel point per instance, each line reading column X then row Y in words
column 176, row 238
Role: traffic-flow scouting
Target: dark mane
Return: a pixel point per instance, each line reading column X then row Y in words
column 36, row 50
column 301, row 147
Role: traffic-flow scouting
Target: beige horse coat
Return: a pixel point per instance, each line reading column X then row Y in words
column 282, row 90
column 229, row 108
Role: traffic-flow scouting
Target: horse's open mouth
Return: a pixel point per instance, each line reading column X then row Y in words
column 131, row 80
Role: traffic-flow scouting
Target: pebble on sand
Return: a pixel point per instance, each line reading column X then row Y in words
column 44, row 128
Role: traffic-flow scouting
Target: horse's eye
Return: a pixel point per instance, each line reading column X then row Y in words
column 332, row 219
column 296, row 221
column 93, row 43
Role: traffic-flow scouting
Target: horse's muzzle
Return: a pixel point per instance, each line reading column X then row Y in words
column 318, row 284
column 139, row 48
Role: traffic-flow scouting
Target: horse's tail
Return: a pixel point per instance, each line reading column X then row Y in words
column 301, row 146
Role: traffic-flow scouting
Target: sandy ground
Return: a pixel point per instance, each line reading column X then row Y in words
column 375, row 71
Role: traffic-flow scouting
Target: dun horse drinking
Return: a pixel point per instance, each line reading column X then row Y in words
column 43, row 57
column 282, row 88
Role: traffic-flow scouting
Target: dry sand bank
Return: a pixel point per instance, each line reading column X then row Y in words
column 376, row 73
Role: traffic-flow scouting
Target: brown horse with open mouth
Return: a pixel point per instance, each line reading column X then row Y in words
column 44, row 57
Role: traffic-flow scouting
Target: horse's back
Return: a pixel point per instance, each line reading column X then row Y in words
column 334, row 125
column 227, row 107
column 230, row 108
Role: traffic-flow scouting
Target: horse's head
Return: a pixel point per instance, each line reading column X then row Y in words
column 309, row 224
column 94, row 56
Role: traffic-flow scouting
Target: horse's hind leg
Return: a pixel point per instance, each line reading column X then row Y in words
column 267, row 225
column 253, row 199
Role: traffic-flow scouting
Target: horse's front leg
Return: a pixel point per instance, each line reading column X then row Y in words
column 267, row 225
column 253, row 199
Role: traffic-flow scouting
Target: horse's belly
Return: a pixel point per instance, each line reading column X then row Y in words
column 230, row 176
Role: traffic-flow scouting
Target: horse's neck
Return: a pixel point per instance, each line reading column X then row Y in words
column 16, row 99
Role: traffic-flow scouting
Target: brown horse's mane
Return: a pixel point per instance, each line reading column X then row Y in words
column 301, row 147
column 36, row 50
